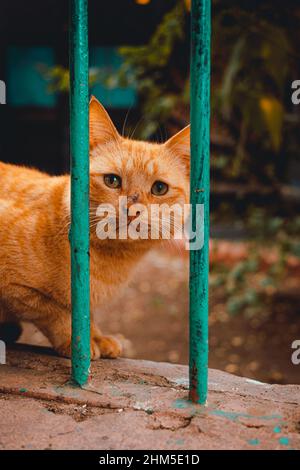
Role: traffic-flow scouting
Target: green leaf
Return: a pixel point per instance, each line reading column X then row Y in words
column 272, row 111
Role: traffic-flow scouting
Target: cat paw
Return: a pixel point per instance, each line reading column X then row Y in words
column 106, row 347
column 64, row 349
column 101, row 346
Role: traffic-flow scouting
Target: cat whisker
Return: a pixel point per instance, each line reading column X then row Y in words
column 125, row 121
column 136, row 127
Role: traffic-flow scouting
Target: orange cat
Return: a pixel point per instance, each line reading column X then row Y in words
column 35, row 221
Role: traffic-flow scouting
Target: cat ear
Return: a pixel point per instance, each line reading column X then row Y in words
column 179, row 144
column 102, row 129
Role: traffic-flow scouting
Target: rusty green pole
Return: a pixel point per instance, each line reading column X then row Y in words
column 79, row 235
column 200, row 170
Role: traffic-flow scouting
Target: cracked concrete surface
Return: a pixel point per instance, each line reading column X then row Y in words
column 138, row 405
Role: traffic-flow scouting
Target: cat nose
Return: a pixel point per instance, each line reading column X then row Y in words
column 133, row 197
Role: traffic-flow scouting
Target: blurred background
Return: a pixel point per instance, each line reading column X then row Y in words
column 139, row 69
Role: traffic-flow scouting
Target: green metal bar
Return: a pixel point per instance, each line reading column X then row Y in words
column 79, row 236
column 200, row 150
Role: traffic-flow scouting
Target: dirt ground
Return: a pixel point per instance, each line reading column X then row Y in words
column 151, row 319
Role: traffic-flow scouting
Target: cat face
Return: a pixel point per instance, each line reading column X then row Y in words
column 148, row 177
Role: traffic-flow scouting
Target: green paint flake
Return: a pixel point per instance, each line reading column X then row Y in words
column 179, row 442
column 284, row 441
column 23, row 390
column 254, row 442
column 277, row 429
column 181, row 403
column 175, row 442
column 234, row 416
column 231, row 415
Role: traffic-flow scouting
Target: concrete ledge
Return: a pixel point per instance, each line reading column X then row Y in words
column 138, row 405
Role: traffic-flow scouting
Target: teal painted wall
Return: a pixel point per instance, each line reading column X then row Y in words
column 108, row 60
column 26, row 85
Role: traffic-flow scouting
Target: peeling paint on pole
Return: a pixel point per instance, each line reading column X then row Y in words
column 79, row 235
column 200, row 178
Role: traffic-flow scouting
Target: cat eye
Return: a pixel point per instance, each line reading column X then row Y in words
column 113, row 181
column 159, row 188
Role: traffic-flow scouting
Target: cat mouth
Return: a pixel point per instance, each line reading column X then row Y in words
column 134, row 228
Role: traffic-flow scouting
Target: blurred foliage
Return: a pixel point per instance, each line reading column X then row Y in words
column 250, row 285
column 257, row 44
column 157, row 71
column 153, row 69
column 58, row 77
column 254, row 61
